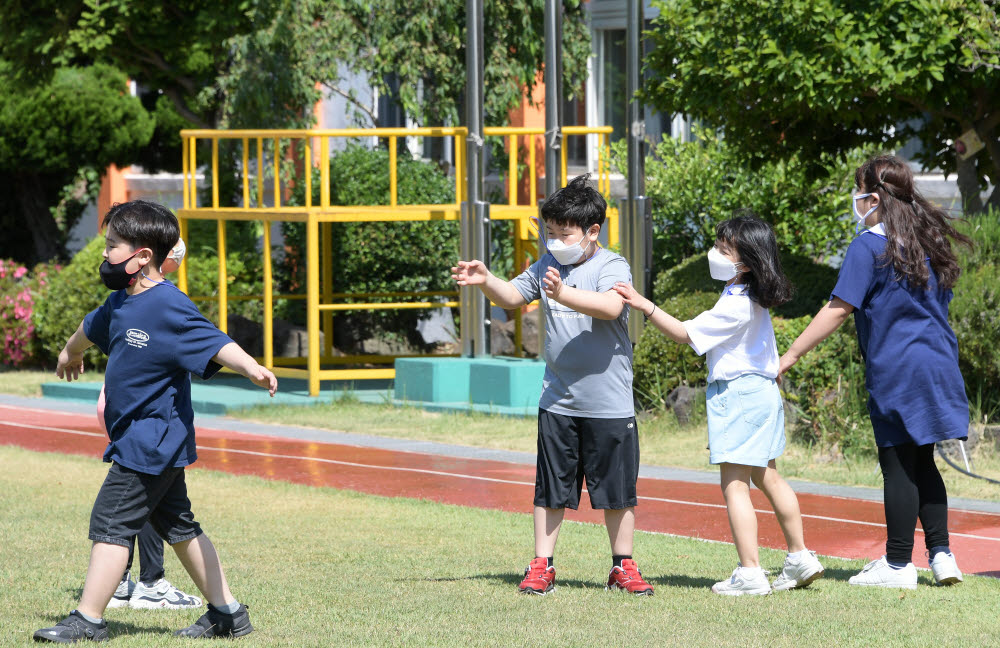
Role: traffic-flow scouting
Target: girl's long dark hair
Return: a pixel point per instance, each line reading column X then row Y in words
column 920, row 229
column 753, row 239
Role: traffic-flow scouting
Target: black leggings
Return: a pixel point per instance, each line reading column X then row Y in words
column 913, row 488
column 150, row 555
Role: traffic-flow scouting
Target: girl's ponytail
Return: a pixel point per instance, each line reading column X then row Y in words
column 920, row 230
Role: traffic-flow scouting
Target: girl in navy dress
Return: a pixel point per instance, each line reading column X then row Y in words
column 746, row 419
column 897, row 279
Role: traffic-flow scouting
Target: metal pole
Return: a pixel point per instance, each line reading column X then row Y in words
column 474, row 307
column 553, row 109
column 553, row 127
column 637, row 228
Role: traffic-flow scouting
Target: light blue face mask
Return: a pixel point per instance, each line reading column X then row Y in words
column 861, row 218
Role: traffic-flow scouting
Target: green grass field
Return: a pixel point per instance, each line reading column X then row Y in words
column 320, row 567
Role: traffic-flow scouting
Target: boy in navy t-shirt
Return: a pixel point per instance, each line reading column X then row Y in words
column 155, row 337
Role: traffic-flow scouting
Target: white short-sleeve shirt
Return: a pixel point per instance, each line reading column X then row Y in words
column 737, row 336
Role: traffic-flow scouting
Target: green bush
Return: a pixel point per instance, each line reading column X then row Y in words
column 813, row 282
column 660, row 364
column 694, row 185
column 381, row 256
column 826, row 389
column 72, row 293
column 974, row 312
column 244, row 276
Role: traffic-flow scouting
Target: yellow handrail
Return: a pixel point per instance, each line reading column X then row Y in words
column 321, row 304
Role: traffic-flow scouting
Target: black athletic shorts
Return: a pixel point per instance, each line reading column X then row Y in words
column 128, row 499
column 572, row 448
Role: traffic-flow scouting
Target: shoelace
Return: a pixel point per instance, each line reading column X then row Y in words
column 535, row 571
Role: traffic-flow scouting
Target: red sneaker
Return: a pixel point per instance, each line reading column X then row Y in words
column 629, row 578
column 539, row 578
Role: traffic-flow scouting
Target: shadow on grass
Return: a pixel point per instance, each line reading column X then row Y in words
column 682, row 581
column 120, row 628
column 835, row 574
column 508, row 579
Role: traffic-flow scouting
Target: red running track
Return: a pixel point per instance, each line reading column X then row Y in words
column 835, row 526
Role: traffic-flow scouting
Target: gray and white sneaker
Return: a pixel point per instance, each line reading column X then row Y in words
column 878, row 573
column 124, row 592
column 161, row 595
column 945, row 569
column 745, row 580
column 798, row 573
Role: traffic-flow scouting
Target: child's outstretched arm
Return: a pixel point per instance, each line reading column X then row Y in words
column 606, row 306
column 827, row 320
column 233, row 357
column 500, row 292
column 70, row 363
column 668, row 324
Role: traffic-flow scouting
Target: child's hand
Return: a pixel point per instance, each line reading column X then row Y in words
column 633, row 298
column 70, row 366
column 786, row 362
column 470, row 273
column 552, row 283
column 262, row 377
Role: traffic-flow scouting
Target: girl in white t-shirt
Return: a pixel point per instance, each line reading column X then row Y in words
column 746, row 423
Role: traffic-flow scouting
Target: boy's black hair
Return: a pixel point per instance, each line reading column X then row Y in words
column 577, row 203
column 753, row 239
column 145, row 224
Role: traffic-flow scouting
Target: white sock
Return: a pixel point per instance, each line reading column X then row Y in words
column 797, row 555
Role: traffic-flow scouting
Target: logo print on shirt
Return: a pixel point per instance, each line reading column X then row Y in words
column 137, row 338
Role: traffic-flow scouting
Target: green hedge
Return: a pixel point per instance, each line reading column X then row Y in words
column 382, row 256
column 75, row 291
column 812, row 281
column 975, row 313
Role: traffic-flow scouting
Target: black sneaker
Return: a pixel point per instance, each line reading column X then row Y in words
column 72, row 629
column 214, row 624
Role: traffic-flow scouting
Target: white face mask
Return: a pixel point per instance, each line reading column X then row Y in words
column 861, row 217
column 567, row 253
column 720, row 267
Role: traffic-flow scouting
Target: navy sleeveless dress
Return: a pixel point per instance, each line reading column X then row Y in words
column 916, row 393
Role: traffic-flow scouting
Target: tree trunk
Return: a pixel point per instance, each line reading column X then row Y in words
column 31, row 193
column 968, row 186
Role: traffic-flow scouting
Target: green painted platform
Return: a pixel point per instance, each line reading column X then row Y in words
column 506, row 386
column 500, row 386
column 223, row 394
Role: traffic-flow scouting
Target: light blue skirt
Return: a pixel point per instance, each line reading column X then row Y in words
column 746, row 421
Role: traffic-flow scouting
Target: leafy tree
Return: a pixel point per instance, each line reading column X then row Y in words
column 178, row 47
column 421, row 45
column 804, row 77
column 49, row 135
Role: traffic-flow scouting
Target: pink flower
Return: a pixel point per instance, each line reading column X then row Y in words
column 20, row 272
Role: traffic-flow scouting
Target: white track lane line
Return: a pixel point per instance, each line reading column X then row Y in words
column 442, row 473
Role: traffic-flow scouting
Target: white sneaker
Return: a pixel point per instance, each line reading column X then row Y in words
column 798, row 573
column 124, row 592
column 745, row 580
column 945, row 569
column 878, row 573
column 161, row 595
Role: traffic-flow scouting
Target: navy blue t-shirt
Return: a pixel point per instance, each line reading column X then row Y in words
column 154, row 341
column 916, row 391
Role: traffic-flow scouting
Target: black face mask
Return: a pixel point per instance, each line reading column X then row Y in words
column 115, row 276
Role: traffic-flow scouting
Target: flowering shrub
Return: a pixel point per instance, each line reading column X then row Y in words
column 19, row 289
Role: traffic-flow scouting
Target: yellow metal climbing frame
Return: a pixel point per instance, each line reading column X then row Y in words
column 262, row 199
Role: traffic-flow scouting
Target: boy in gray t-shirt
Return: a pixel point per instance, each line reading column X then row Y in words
column 586, row 420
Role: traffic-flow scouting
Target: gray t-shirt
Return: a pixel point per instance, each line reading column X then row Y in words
column 588, row 361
